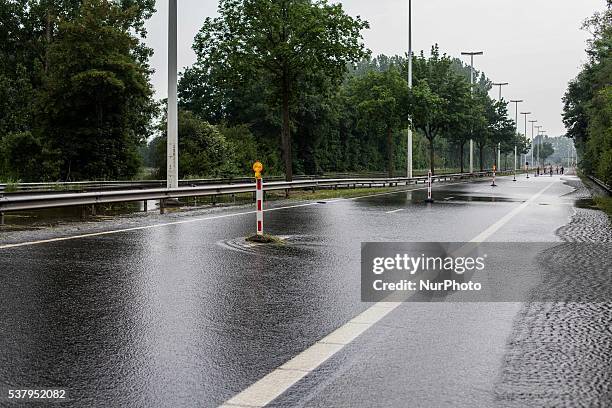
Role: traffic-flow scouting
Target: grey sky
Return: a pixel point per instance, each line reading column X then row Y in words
column 535, row 45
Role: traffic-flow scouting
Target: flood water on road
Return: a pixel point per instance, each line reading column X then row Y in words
column 189, row 315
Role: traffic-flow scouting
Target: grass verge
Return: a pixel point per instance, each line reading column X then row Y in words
column 265, row 239
column 339, row 193
column 604, row 204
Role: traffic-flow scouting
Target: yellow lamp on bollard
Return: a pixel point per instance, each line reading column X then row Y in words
column 257, row 168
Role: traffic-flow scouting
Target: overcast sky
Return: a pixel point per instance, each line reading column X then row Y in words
column 535, row 45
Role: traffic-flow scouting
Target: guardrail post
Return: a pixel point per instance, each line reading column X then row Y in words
column 145, row 204
column 1, row 218
column 162, row 206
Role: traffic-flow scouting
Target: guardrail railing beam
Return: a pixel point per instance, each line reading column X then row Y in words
column 42, row 201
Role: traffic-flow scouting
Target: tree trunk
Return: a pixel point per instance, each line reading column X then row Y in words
column 481, row 151
column 461, row 152
column 390, row 153
column 286, row 132
column 48, row 39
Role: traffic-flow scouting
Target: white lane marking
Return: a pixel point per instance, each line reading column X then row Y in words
column 198, row 219
column 395, row 211
column 504, row 220
column 270, row 387
column 145, row 227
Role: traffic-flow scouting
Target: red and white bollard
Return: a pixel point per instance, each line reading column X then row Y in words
column 494, row 172
column 259, row 196
column 429, row 179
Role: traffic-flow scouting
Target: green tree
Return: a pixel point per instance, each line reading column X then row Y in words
column 546, row 150
column 205, row 152
column 97, row 106
column 29, row 34
column 501, row 129
column 437, row 99
column 587, row 114
column 380, row 99
column 286, row 43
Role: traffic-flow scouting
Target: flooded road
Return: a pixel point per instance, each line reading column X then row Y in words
column 178, row 311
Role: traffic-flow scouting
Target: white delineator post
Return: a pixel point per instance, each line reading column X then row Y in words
column 527, row 168
column 429, row 178
column 259, row 197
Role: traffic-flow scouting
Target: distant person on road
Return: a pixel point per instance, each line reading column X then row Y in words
column 557, row 170
column 551, row 171
column 562, row 170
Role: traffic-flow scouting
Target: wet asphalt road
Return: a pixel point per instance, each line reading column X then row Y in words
column 187, row 315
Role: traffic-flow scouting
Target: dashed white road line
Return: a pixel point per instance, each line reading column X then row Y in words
column 395, row 211
column 270, row 387
column 504, row 220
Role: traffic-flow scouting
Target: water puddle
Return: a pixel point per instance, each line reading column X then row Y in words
column 292, row 246
column 488, row 199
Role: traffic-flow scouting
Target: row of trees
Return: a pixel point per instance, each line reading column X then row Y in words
column 299, row 66
column 588, row 100
column 75, row 94
column 288, row 82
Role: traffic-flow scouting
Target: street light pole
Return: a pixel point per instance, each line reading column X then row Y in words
column 533, row 122
column 500, row 84
column 538, row 144
column 526, row 163
column 471, row 54
column 516, row 102
column 409, row 142
column 172, row 146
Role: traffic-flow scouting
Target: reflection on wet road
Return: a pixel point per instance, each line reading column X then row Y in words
column 188, row 314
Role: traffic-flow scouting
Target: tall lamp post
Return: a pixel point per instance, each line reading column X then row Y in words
column 472, row 54
column 533, row 122
column 541, row 133
column 501, row 85
column 172, row 146
column 409, row 142
column 538, row 143
column 516, row 102
column 526, row 163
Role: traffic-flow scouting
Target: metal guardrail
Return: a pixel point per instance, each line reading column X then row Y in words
column 82, row 186
column 44, row 201
column 601, row 184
